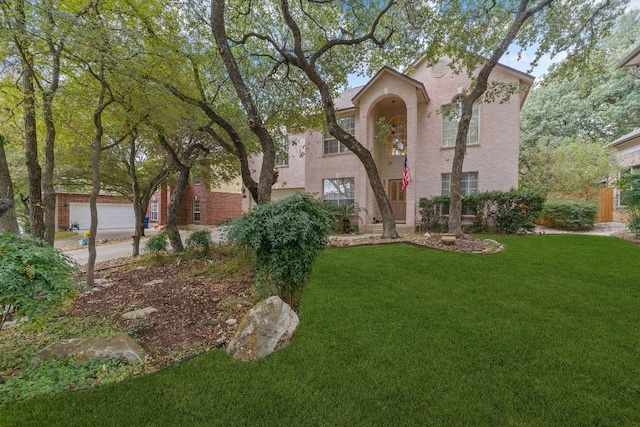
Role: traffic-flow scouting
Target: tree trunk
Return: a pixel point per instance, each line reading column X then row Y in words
column 140, row 201
column 177, row 194
column 254, row 120
column 31, row 154
column 299, row 59
column 47, row 177
column 95, row 164
column 8, row 220
column 30, row 136
column 388, row 222
column 138, row 208
column 50, row 139
column 481, row 84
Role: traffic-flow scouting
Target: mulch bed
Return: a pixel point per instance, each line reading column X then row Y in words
column 194, row 312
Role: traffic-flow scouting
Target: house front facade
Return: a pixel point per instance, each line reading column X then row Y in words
column 418, row 113
column 628, row 147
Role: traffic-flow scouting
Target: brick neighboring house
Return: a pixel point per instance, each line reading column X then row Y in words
column 412, row 105
column 113, row 211
column 199, row 206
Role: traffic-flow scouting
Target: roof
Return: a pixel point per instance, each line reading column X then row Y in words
column 631, row 60
column 626, row 138
column 343, row 101
column 397, row 74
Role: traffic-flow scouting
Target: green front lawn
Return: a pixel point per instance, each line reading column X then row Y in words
column 544, row 333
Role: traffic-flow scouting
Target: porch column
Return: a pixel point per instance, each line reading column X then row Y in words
column 412, row 151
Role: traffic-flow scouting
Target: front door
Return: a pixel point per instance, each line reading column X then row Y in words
column 397, row 198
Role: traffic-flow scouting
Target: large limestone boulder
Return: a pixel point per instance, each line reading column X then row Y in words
column 120, row 346
column 264, row 329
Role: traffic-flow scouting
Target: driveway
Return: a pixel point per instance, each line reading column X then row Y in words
column 120, row 248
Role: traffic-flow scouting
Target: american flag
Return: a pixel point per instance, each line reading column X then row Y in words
column 406, row 176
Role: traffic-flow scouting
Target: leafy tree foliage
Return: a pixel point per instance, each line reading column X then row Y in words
column 595, row 102
column 286, row 235
column 573, row 167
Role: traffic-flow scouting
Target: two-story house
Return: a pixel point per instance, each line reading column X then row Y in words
column 412, row 106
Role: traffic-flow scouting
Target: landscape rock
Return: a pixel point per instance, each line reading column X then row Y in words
column 139, row 314
column 120, row 346
column 231, row 321
column 266, row 328
column 154, row 282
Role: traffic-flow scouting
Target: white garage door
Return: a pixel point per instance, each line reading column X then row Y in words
column 110, row 215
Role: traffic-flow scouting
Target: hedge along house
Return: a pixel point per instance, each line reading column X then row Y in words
column 412, row 106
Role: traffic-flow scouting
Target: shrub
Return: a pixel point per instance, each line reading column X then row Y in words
column 514, row 211
column 157, row 244
column 570, row 214
column 286, row 235
column 629, row 184
column 433, row 212
column 510, row 211
column 199, row 240
column 343, row 214
column 34, row 277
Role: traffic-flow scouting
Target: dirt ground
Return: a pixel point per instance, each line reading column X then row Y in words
column 198, row 304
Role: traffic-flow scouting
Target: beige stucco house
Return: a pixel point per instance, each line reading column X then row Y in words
column 411, row 104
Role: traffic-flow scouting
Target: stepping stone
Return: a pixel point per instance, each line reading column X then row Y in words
column 120, row 346
column 139, row 314
column 154, row 282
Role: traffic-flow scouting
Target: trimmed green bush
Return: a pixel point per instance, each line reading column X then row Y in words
column 34, row 277
column 434, row 213
column 570, row 214
column 199, row 240
column 512, row 211
column 286, row 235
column 157, row 244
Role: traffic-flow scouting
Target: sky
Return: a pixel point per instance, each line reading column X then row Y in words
column 510, row 60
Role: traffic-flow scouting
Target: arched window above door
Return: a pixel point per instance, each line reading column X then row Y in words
column 397, row 139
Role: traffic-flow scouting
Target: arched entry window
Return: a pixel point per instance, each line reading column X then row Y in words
column 397, row 139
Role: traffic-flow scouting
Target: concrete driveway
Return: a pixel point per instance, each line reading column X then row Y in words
column 118, row 249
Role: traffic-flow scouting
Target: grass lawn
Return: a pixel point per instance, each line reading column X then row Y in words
column 544, row 333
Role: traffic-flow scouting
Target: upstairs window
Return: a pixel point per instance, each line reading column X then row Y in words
column 397, row 139
column 332, row 145
column 282, row 151
column 451, row 119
